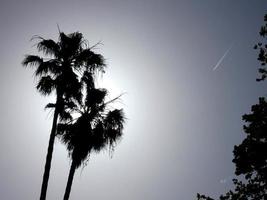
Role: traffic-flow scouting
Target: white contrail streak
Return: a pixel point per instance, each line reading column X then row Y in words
column 221, row 59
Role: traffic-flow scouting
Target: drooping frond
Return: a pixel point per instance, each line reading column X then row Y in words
column 115, row 118
column 64, row 129
column 66, row 134
column 50, row 105
column 65, row 116
column 32, row 60
column 92, row 61
column 83, row 56
column 51, row 66
column 96, row 60
column 114, row 126
column 99, row 140
column 46, row 85
column 96, row 63
column 48, row 47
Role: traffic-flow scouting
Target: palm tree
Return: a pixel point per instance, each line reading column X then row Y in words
column 95, row 129
column 59, row 73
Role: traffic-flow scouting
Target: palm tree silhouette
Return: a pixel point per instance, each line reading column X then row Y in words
column 59, row 72
column 96, row 128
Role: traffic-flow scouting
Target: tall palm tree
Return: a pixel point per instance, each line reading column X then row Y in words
column 59, row 73
column 95, row 129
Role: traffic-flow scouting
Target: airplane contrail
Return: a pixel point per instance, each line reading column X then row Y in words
column 221, row 59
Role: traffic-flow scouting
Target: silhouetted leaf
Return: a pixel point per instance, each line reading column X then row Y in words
column 32, row 60
column 48, row 47
column 46, row 85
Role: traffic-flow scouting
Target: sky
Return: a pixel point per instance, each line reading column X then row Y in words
column 188, row 70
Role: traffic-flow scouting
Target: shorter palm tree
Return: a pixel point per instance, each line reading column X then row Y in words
column 95, row 129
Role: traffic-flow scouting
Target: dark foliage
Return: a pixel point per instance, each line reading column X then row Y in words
column 250, row 157
column 95, row 129
column 68, row 58
column 262, row 47
column 59, row 72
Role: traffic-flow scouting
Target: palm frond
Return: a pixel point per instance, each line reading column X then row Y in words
column 65, row 116
column 51, row 66
column 32, row 60
column 76, row 40
column 46, row 85
column 48, row 47
column 83, row 56
column 50, row 105
column 70, row 44
column 63, row 129
column 92, row 61
column 115, row 118
column 98, row 137
column 66, row 135
column 114, row 126
column 96, row 63
column 114, row 99
column 95, row 45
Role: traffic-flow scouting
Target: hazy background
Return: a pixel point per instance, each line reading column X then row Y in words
column 183, row 118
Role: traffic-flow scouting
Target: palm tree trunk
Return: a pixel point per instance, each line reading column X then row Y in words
column 49, row 156
column 70, row 179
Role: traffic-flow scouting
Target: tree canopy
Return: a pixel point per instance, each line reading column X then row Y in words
column 250, row 157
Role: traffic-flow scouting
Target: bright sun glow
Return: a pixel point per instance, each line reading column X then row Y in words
column 113, row 90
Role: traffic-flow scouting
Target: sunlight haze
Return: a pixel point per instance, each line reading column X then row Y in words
column 183, row 117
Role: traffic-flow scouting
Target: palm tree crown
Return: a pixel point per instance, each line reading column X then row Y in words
column 68, row 58
column 95, row 129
